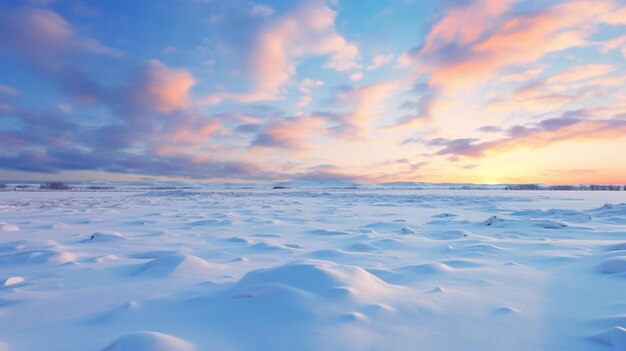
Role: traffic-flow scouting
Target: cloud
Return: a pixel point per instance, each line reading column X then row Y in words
column 541, row 134
column 570, row 86
column 184, row 137
column 365, row 103
column 50, row 143
column 356, row 76
column 53, row 49
column 380, row 61
column 53, row 161
column 563, row 81
column 422, row 106
column 270, row 59
column 579, row 73
column 291, row 134
column 520, row 75
column 490, row 129
column 327, row 173
column 8, row 91
column 618, row 43
column 476, row 41
column 162, row 88
column 262, row 10
column 39, row 33
column 306, row 86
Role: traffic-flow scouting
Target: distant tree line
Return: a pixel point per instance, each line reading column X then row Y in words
column 591, row 187
column 470, row 187
column 54, row 186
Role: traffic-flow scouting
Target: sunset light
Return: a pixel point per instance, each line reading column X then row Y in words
column 368, row 91
column 312, row 175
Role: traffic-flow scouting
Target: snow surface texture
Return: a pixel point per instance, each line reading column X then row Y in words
column 312, row 269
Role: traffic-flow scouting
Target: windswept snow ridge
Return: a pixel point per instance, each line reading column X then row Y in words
column 312, row 269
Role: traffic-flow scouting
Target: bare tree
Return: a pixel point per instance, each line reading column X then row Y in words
column 55, row 186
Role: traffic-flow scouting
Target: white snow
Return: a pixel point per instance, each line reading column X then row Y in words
column 105, row 235
column 148, row 341
column 312, row 268
column 12, row 281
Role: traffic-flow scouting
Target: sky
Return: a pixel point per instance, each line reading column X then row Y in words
column 480, row 91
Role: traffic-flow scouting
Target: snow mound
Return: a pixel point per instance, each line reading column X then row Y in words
column 611, row 210
column 427, row 268
column 154, row 254
column 324, row 232
column 493, row 220
column 38, row 256
column 545, row 224
column 504, row 310
column 101, row 259
column 614, row 265
column 386, row 226
column 7, row 227
column 148, row 341
column 13, row 281
column 105, row 236
column 211, row 222
column 449, row 235
column 237, row 239
column 437, row 289
column 407, row 230
column 26, row 245
column 407, row 274
column 116, row 313
column 444, row 215
column 329, row 254
column 478, row 249
column 269, row 246
column 615, row 337
column 321, row 278
column 354, row 317
column 389, row 243
column 569, row 215
column 618, row 247
column 362, row 247
column 461, row 263
column 176, row 265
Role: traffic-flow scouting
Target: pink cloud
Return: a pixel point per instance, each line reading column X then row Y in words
column 196, row 134
column 188, row 134
column 306, row 86
column 547, row 132
column 563, row 87
column 292, row 133
column 366, row 102
column 618, row 43
column 475, row 42
column 162, row 88
column 356, row 76
column 308, row 30
column 39, row 32
column 485, row 40
column 380, row 61
column 580, row 73
column 465, row 24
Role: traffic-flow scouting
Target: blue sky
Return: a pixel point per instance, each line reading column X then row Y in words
column 466, row 91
